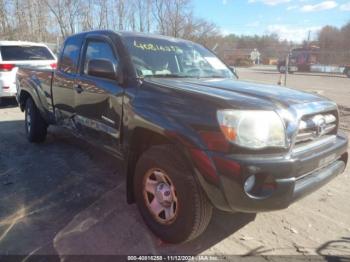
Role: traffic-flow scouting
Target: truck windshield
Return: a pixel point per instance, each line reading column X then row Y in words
column 165, row 58
column 21, row 53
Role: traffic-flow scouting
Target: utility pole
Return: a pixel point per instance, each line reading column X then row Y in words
column 286, row 69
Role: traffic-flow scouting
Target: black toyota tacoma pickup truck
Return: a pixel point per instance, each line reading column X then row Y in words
column 190, row 135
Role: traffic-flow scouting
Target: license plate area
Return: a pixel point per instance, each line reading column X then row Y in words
column 327, row 160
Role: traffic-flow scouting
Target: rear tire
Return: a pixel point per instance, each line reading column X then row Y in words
column 35, row 125
column 347, row 73
column 190, row 215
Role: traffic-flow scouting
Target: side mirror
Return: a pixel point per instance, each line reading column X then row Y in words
column 102, row 68
column 234, row 71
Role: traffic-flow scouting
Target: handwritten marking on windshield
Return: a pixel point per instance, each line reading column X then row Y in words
column 155, row 47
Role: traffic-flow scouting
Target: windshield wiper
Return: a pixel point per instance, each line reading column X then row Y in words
column 169, row 75
column 213, row 76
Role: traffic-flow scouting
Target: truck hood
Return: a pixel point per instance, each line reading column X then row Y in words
column 232, row 90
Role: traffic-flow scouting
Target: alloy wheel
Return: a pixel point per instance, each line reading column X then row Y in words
column 160, row 196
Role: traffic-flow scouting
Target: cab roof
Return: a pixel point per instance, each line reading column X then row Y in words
column 149, row 35
column 123, row 34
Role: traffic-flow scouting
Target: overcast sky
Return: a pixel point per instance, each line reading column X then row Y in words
column 290, row 19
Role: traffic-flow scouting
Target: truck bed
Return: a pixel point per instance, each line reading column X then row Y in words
column 38, row 83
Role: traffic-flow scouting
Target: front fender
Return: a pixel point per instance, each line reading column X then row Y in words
column 162, row 124
column 188, row 143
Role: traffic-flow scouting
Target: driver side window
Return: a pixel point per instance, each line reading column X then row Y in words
column 98, row 50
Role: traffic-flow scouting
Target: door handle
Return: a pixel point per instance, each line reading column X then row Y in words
column 78, row 88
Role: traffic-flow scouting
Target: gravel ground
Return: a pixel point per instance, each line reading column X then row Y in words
column 66, row 197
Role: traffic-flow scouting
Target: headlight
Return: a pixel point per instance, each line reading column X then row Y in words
column 254, row 129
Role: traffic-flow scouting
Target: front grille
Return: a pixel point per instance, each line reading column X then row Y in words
column 316, row 126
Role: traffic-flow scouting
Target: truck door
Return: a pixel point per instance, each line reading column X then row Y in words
column 98, row 100
column 63, row 91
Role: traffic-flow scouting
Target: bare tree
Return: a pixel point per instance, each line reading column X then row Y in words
column 38, row 19
column 121, row 11
column 345, row 32
column 87, row 15
column 66, row 13
column 143, row 9
column 334, row 44
column 172, row 16
column 159, row 12
column 201, row 31
column 102, row 14
column 4, row 21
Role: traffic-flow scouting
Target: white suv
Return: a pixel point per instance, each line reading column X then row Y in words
column 17, row 53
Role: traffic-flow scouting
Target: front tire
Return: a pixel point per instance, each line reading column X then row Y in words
column 281, row 69
column 169, row 198
column 35, row 125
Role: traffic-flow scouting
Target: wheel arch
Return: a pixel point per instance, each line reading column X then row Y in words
column 141, row 140
column 28, row 90
column 22, row 99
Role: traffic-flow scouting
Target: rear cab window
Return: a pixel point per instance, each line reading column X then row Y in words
column 24, row 53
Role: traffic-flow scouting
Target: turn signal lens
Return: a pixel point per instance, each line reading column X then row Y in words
column 215, row 140
column 229, row 132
